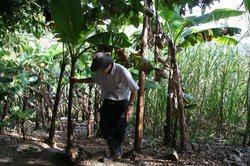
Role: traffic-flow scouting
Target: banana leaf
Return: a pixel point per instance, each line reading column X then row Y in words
column 117, row 40
column 217, row 34
column 68, row 18
column 215, row 15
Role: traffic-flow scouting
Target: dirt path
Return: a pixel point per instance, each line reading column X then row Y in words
column 33, row 152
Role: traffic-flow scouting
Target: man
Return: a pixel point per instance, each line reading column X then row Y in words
column 119, row 92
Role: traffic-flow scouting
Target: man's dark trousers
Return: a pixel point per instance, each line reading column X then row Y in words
column 113, row 125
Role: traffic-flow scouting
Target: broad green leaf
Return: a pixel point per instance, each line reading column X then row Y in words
column 68, row 18
column 166, row 13
column 208, row 35
column 119, row 40
column 177, row 23
column 5, row 80
column 226, row 40
column 171, row 19
column 215, row 15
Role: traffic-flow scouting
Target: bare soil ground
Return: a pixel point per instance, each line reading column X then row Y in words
column 34, row 152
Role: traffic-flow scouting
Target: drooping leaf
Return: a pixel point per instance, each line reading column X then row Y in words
column 210, row 34
column 215, row 15
column 68, row 18
column 119, row 40
column 226, row 40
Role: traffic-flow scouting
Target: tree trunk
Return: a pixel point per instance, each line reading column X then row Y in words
column 37, row 123
column 25, row 101
column 90, row 118
column 175, row 102
column 84, row 106
column 97, row 106
column 42, row 109
column 48, row 105
column 168, row 126
column 140, row 99
column 51, row 140
column 70, row 137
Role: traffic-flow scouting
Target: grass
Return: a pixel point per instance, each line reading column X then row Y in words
column 216, row 78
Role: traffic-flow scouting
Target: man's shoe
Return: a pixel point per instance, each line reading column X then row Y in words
column 109, row 159
column 105, row 160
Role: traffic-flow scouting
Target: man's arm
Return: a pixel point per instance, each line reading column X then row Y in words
column 132, row 98
column 84, row 80
column 130, row 104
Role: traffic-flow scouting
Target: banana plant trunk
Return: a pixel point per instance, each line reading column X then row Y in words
column 25, row 102
column 90, row 117
column 70, row 138
column 175, row 105
column 140, row 99
column 51, row 140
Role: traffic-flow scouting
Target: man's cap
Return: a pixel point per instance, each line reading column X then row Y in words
column 101, row 61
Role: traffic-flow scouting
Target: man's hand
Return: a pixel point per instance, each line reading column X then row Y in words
column 128, row 112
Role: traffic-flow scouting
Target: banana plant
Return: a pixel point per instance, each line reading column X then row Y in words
column 69, row 21
column 179, row 33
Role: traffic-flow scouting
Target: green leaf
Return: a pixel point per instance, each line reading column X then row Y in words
column 119, row 40
column 210, row 34
column 166, row 13
column 215, row 15
column 226, row 40
column 25, row 114
column 5, row 80
column 68, row 18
